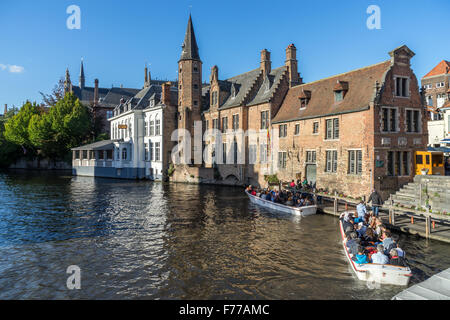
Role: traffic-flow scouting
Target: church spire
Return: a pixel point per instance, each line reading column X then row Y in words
column 82, row 79
column 190, row 49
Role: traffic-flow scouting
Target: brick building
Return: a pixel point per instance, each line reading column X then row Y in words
column 356, row 130
column 435, row 86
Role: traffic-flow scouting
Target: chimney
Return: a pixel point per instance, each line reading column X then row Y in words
column 165, row 96
column 146, row 77
column 6, row 109
column 292, row 64
column 96, row 92
column 265, row 62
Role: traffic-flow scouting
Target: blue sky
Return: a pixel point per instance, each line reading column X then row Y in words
column 117, row 38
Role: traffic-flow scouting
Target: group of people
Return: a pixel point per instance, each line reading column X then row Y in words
column 292, row 197
column 368, row 240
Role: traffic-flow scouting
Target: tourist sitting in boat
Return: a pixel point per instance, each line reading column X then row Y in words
column 380, row 257
column 396, row 260
column 360, row 257
column 289, row 202
column 353, row 243
column 361, row 229
column 369, row 236
column 388, row 243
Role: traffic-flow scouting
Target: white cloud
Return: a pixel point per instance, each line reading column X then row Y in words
column 12, row 68
column 16, row 69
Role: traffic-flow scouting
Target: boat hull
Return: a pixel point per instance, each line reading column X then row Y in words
column 299, row 211
column 377, row 273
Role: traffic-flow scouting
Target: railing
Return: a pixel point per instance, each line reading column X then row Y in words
column 392, row 209
column 92, row 163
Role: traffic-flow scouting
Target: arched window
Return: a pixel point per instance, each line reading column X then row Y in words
column 124, row 154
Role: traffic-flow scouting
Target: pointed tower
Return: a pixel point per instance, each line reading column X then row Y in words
column 189, row 82
column 67, row 82
column 82, row 79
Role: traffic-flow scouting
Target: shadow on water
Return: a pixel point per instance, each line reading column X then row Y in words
column 174, row 241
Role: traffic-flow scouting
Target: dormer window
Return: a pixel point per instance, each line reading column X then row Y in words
column 401, row 86
column 304, row 98
column 340, row 89
column 233, row 91
column 214, row 98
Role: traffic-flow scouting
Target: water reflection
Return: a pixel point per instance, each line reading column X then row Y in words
column 173, row 241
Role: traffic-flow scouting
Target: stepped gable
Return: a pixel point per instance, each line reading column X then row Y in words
column 361, row 92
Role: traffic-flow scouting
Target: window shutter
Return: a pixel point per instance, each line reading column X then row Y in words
column 359, row 154
column 336, row 128
column 335, row 161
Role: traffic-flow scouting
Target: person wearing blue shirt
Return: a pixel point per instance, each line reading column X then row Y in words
column 360, row 258
column 380, row 257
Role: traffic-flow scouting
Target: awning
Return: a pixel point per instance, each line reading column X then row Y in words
column 100, row 145
column 440, row 149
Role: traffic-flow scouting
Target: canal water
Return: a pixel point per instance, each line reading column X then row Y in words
column 144, row 240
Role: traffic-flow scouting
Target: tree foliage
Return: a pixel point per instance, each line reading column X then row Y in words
column 16, row 127
column 56, row 95
column 66, row 125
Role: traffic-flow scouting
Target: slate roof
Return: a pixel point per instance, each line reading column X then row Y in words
column 114, row 95
column 141, row 100
column 242, row 84
column 100, row 145
column 361, row 91
column 190, row 48
column 86, row 95
column 443, row 67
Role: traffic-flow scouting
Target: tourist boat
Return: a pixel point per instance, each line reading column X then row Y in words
column 377, row 273
column 302, row 211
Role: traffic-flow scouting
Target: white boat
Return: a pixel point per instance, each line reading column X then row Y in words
column 302, row 211
column 377, row 273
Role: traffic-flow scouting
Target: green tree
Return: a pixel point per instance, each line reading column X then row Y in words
column 16, row 127
column 66, row 125
column 9, row 151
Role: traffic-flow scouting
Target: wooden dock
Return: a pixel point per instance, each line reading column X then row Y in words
column 420, row 223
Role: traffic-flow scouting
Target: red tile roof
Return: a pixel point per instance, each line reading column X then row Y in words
column 443, row 67
column 361, row 90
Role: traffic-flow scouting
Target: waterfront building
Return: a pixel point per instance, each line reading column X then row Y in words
column 354, row 131
column 435, row 86
column 140, row 142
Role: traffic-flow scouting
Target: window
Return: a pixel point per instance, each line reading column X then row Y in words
column 412, row 121
column 282, row 159
column 338, row 96
column 264, row 119
column 401, row 87
column 215, row 123
column 310, row 156
column 389, row 119
column 206, row 124
column 252, row 153
column 195, row 103
column 428, row 86
column 263, row 153
column 419, row 159
column 152, row 128
column 297, row 129
column 440, row 84
column 152, row 152
column 331, row 161
column 77, row 154
column 145, row 128
column 235, row 121
column 235, row 152
column 224, row 152
column 157, row 127
column 157, row 151
column 332, row 129
column 214, row 98
column 224, row 124
column 303, row 103
column 109, row 114
column 195, row 86
column 195, row 69
column 124, row 154
column 354, row 161
column 146, row 152
column 282, row 130
column 398, row 163
column 315, row 127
